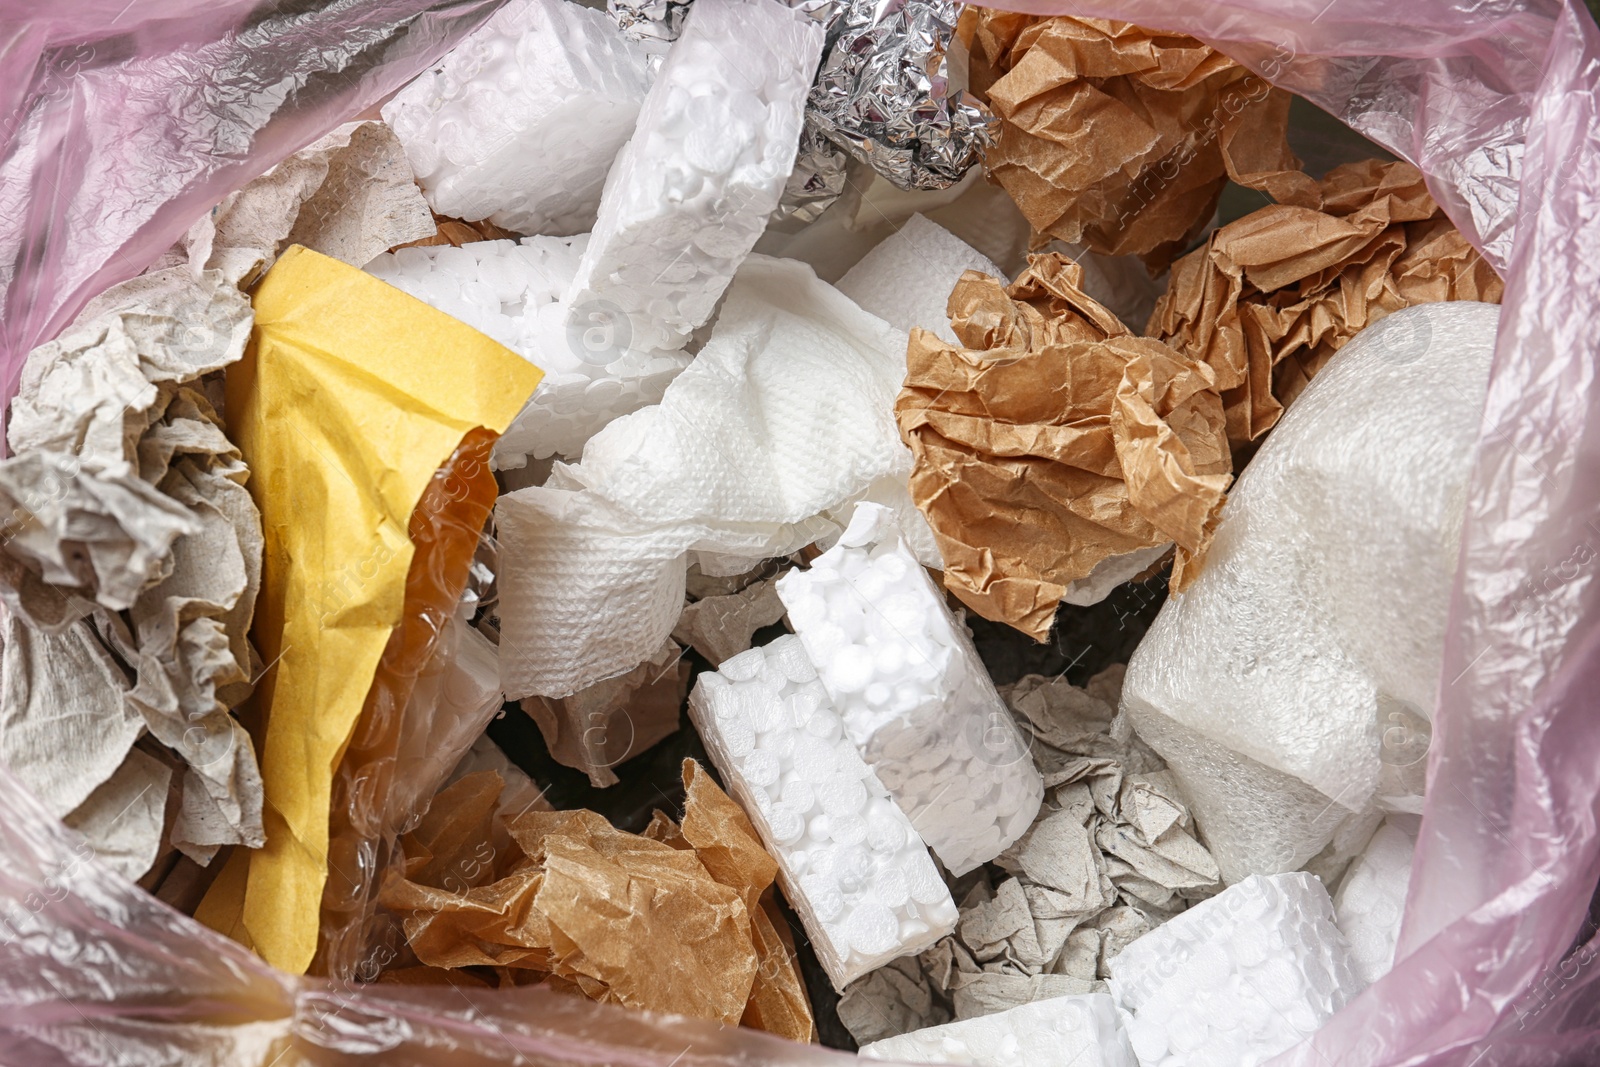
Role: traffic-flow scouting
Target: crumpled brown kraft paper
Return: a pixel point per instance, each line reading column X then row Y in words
column 672, row 921
column 1273, row 295
column 1055, row 440
column 1115, row 136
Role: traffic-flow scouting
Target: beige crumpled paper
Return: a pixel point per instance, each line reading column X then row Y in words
column 123, row 818
column 1055, row 441
column 1273, row 295
column 673, row 921
column 720, row 627
column 128, row 511
column 1111, row 855
column 616, row 719
column 350, row 195
column 1115, row 136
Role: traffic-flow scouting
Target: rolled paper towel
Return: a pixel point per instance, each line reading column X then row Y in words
column 915, row 698
column 906, row 279
column 521, row 122
column 849, row 861
column 1237, row 979
column 511, row 291
column 1073, row 1031
column 1290, row 687
column 691, row 192
column 1371, row 899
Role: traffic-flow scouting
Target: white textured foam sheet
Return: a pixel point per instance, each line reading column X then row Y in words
column 850, row 863
column 1072, row 1031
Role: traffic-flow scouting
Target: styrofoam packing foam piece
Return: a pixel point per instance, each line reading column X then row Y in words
column 850, row 863
column 914, row 696
column 1279, row 686
column 906, row 280
column 1081, row 1030
column 521, row 122
column 1371, row 899
column 691, row 192
column 786, row 414
column 510, row 290
column 1236, row 979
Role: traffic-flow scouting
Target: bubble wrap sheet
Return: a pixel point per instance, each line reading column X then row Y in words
column 1072, row 1031
column 1289, row 688
column 783, row 416
column 1237, row 979
column 691, row 192
column 850, row 863
column 509, row 290
column 915, row 698
column 520, row 124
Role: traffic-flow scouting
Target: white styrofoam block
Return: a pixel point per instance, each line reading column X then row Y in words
column 1082, row 1030
column 783, row 416
column 1273, row 686
column 521, row 122
column 510, row 290
column 913, row 693
column 1236, row 979
column 906, row 280
column 1372, row 897
column 691, row 192
column 849, row 861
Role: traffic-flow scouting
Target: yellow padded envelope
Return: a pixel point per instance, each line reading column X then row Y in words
column 351, row 395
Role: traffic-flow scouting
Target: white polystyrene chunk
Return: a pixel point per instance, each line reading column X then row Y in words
column 510, row 290
column 785, row 415
column 521, row 122
column 914, row 696
column 1236, row 979
column 1283, row 685
column 1072, row 1031
column 906, row 280
column 1372, row 897
column 691, row 192
column 848, row 859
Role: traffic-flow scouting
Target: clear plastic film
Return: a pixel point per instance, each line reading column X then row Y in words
column 1495, row 103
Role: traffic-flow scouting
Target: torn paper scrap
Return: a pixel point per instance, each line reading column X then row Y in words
column 616, row 719
column 1070, row 1031
column 849, row 860
column 510, row 291
column 1271, row 296
column 912, row 693
column 784, row 414
column 1363, row 477
column 1237, row 979
column 1115, row 136
column 520, row 123
column 906, row 280
column 349, row 195
column 721, row 627
column 122, row 818
column 1053, row 441
column 334, row 348
column 691, row 192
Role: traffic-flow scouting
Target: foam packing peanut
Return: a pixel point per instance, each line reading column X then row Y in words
column 1237, row 979
column 849, row 860
column 521, row 122
column 913, row 694
column 691, row 192
column 1071, row 1031
column 510, row 290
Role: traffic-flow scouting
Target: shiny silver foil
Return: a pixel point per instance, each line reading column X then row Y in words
column 817, row 179
column 649, row 20
column 883, row 92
